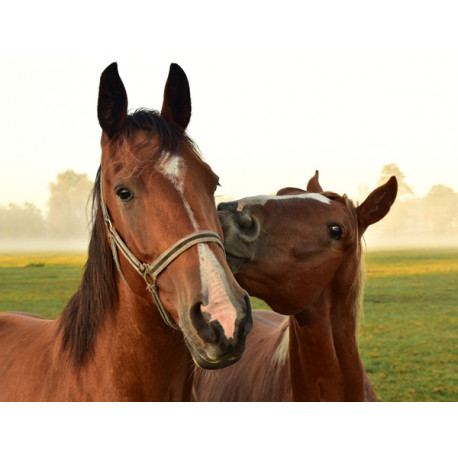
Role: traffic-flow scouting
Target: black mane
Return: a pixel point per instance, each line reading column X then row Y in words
column 79, row 322
column 169, row 136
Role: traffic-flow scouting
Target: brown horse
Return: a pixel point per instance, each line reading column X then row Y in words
column 133, row 328
column 301, row 253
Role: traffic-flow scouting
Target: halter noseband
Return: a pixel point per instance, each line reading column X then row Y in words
column 160, row 264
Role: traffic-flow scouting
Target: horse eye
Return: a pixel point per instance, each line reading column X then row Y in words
column 124, row 194
column 335, row 231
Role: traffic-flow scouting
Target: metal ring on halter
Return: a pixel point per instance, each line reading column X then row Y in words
column 160, row 264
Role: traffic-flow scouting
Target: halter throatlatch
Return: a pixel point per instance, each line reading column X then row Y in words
column 152, row 271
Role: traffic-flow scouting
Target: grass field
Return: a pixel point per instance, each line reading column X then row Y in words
column 408, row 338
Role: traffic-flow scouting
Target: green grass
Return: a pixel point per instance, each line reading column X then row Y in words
column 408, row 338
column 37, row 284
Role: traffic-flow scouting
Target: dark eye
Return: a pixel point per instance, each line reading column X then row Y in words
column 124, row 194
column 335, row 231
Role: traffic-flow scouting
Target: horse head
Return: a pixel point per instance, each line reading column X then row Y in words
column 157, row 197
column 280, row 246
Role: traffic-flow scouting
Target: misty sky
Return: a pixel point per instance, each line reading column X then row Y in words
column 315, row 88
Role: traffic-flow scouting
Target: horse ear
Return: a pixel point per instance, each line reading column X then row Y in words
column 377, row 204
column 112, row 104
column 176, row 107
column 313, row 185
column 290, row 191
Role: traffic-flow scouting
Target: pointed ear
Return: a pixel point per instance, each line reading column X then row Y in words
column 313, row 185
column 112, row 104
column 377, row 204
column 176, row 107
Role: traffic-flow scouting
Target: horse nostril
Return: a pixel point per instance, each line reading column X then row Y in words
column 200, row 321
column 245, row 220
column 249, row 227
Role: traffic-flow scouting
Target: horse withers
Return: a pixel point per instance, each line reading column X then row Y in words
column 156, row 292
column 299, row 251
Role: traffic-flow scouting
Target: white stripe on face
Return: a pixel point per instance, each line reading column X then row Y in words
column 173, row 168
column 215, row 288
column 212, row 275
column 262, row 200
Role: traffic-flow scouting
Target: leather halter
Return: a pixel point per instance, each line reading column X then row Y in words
column 160, row 264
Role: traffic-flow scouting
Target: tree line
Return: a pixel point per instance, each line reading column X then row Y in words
column 67, row 215
column 435, row 214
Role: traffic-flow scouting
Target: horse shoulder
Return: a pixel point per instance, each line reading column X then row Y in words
column 17, row 328
column 27, row 351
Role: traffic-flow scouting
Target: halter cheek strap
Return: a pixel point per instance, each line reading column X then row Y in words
column 152, row 271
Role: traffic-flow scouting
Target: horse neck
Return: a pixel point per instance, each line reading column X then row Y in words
column 324, row 358
column 107, row 329
column 153, row 358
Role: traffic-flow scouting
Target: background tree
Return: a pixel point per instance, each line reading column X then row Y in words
column 67, row 204
column 441, row 209
column 389, row 170
column 21, row 221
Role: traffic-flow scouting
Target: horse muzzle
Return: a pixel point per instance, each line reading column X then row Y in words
column 241, row 230
column 215, row 333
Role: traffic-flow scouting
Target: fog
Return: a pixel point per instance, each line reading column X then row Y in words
column 27, row 245
column 430, row 221
column 63, row 227
column 375, row 241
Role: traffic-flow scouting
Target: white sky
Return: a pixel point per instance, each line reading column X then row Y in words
column 277, row 92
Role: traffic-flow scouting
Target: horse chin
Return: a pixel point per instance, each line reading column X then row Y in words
column 235, row 262
column 210, row 365
column 213, row 355
column 210, row 359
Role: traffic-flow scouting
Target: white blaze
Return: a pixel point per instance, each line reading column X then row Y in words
column 212, row 276
column 262, row 200
column 214, row 287
column 173, row 168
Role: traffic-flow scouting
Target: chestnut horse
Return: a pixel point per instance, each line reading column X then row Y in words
column 301, row 253
column 156, row 292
